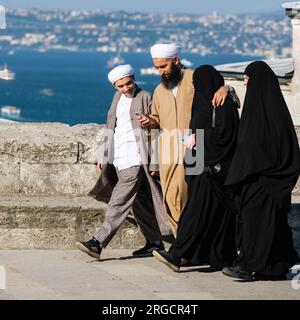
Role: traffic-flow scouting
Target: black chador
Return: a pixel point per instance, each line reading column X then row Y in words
column 264, row 169
column 206, row 229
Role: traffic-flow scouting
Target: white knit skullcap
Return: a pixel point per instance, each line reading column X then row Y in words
column 120, row 72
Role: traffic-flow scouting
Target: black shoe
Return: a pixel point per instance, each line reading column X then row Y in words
column 168, row 259
column 92, row 247
column 147, row 250
column 238, row 272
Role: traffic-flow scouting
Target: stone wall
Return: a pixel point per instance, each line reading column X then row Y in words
column 50, row 158
column 47, row 158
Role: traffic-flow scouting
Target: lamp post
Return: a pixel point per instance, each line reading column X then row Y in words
column 292, row 10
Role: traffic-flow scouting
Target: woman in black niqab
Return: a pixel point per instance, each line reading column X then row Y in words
column 264, row 169
column 206, row 228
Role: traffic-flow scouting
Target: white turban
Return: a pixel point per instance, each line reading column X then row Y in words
column 163, row 50
column 120, row 72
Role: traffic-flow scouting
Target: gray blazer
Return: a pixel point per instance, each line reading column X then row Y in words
column 141, row 103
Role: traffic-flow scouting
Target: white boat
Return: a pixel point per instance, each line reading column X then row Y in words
column 153, row 71
column 186, row 63
column 149, row 71
column 10, row 112
column 115, row 61
column 5, row 74
column 47, row 92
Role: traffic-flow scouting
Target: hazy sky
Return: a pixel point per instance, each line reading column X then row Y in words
column 185, row 6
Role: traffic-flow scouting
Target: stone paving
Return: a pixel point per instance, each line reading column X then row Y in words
column 70, row 274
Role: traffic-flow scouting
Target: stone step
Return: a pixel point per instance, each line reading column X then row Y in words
column 56, row 222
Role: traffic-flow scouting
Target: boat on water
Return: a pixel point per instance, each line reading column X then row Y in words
column 5, row 74
column 47, row 92
column 10, row 112
column 186, row 63
column 154, row 72
column 115, row 61
column 149, row 71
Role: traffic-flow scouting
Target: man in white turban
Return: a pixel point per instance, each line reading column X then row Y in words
column 126, row 179
column 171, row 111
column 120, row 72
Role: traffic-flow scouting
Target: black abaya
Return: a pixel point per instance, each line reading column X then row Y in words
column 267, row 142
column 206, row 229
column 266, row 243
column 265, row 168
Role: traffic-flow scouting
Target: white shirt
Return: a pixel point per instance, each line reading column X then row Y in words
column 175, row 90
column 126, row 153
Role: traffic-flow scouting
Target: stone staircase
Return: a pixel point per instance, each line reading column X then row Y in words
column 57, row 222
column 46, row 171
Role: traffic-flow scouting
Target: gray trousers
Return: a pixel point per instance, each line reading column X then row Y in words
column 129, row 194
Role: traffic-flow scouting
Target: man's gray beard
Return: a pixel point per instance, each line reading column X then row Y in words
column 174, row 79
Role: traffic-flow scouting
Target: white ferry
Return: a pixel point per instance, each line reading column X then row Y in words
column 5, row 74
column 149, row 71
column 10, row 112
column 115, row 61
column 186, row 63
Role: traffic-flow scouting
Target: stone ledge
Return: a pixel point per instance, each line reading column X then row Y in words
column 48, row 143
column 51, row 158
column 57, row 222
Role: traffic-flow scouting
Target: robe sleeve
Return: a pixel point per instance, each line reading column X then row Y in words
column 155, row 110
column 148, row 105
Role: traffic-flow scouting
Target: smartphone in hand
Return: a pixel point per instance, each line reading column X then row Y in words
column 140, row 114
column 185, row 138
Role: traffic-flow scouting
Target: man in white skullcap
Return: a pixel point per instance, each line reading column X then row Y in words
column 171, row 111
column 126, row 181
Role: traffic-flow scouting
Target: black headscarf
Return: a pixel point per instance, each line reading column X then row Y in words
column 220, row 141
column 267, row 142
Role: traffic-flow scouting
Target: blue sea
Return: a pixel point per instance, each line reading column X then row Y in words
column 72, row 87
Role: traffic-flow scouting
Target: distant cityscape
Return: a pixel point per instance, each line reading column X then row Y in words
column 119, row 32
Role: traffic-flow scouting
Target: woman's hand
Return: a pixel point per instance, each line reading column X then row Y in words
column 220, row 96
column 190, row 142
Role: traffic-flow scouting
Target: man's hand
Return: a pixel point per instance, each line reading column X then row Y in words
column 145, row 121
column 220, row 96
column 154, row 173
column 190, row 142
column 99, row 167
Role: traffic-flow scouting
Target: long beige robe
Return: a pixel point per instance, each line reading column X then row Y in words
column 173, row 115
